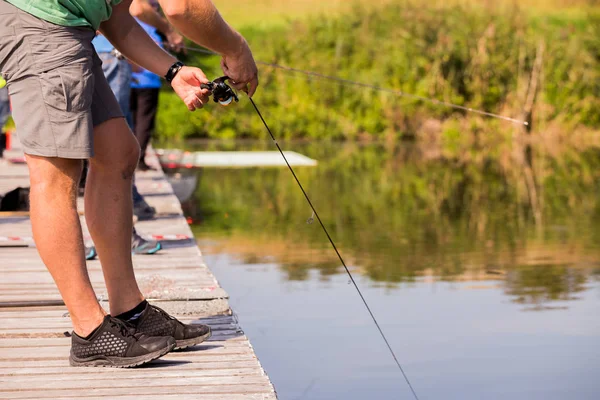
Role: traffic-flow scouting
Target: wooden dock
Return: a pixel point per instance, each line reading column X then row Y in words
column 232, row 159
column 34, row 347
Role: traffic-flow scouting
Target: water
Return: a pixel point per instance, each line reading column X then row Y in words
column 477, row 299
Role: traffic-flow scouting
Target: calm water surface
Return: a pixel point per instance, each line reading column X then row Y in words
column 482, row 292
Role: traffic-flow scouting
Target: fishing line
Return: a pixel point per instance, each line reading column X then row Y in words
column 399, row 93
column 336, row 250
column 225, row 95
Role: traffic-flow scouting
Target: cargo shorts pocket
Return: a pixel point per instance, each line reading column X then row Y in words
column 68, row 91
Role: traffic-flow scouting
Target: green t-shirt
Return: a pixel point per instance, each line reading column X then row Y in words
column 68, row 12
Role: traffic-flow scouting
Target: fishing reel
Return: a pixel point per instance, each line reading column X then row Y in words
column 222, row 93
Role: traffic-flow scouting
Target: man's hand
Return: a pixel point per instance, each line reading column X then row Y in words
column 175, row 40
column 241, row 69
column 187, row 86
column 201, row 22
column 147, row 12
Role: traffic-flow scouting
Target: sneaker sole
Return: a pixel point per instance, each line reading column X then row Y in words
column 145, row 216
column 119, row 362
column 185, row 343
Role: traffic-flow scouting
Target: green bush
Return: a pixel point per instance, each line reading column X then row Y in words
column 475, row 56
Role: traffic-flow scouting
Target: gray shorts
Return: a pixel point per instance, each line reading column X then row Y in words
column 56, row 85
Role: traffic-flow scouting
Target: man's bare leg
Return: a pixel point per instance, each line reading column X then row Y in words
column 109, row 210
column 57, row 234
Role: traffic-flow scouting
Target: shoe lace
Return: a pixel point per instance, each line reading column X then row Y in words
column 163, row 313
column 125, row 328
column 136, row 240
column 140, row 244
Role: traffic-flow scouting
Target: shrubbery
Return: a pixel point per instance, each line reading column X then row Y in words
column 475, row 56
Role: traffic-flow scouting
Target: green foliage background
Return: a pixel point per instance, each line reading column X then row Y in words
column 479, row 56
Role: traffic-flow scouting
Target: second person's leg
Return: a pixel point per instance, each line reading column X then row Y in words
column 145, row 116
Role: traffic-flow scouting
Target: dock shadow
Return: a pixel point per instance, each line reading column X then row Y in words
column 161, row 363
column 199, row 347
column 177, row 243
column 139, row 177
column 155, row 194
column 12, row 220
column 166, row 216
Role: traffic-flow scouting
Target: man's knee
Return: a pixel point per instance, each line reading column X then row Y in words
column 116, row 149
column 123, row 162
column 130, row 159
column 52, row 173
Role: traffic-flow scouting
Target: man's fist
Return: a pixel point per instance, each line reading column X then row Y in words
column 187, row 86
column 241, row 69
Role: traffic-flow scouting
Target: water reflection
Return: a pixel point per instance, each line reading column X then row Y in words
column 400, row 215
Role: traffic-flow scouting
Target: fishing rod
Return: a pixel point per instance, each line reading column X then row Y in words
column 224, row 95
column 399, row 93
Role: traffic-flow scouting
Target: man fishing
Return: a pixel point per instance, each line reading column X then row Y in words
column 65, row 112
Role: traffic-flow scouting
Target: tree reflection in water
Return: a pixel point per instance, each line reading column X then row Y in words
column 399, row 214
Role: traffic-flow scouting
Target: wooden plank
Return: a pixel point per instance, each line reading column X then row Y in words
column 225, row 384
column 27, row 380
column 209, row 366
column 153, row 388
column 161, row 363
column 191, row 396
column 234, row 159
column 53, row 351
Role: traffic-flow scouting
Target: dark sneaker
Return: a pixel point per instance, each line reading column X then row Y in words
column 143, row 210
column 117, row 344
column 154, row 321
column 142, row 166
column 139, row 245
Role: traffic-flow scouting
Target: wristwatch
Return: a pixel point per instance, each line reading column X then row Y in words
column 170, row 75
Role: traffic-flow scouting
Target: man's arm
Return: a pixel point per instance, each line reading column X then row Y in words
column 144, row 11
column 129, row 38
column 200, row 21
column 133, row 42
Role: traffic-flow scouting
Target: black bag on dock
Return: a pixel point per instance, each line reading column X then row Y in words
column 15, row 200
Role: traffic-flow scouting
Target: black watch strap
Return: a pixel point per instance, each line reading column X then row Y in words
column 173, row 71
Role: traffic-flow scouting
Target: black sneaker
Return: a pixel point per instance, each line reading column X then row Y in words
column 117, row 344
column 142, row 166
column 154, row 321
column 143, row 210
